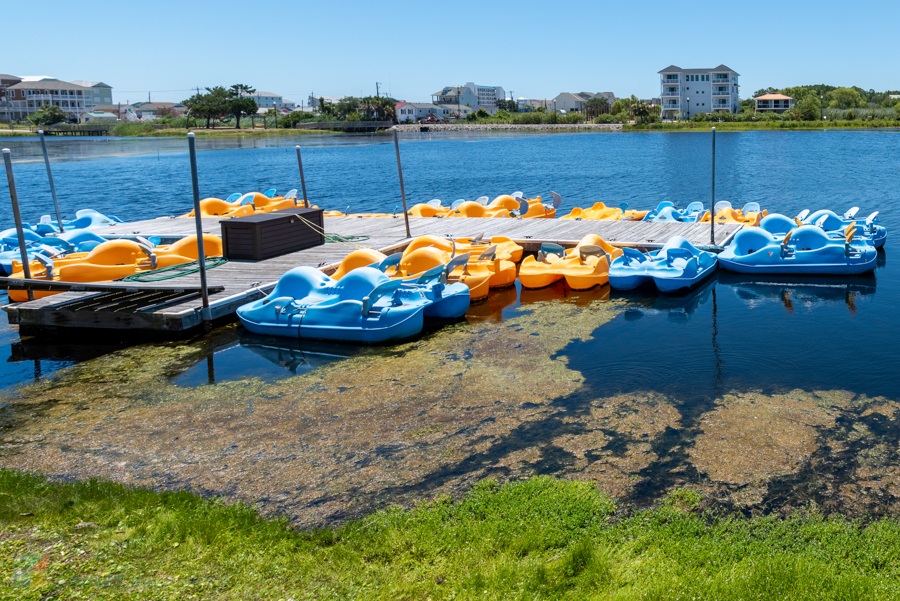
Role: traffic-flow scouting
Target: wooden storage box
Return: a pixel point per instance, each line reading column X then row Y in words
column 259, row 237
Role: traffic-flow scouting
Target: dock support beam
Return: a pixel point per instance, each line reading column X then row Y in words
column 59, row 221
column 198, row 221
column 302, row 179
column 14, row 197
column 402, row 190
column 712, row 201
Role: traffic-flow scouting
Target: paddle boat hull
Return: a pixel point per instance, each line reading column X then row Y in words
column 805, row 250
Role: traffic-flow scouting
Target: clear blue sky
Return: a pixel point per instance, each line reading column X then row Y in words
column 534, row 49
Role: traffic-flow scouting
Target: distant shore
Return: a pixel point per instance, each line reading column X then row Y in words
column 430, row 127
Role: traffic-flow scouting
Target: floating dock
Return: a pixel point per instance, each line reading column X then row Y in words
column 173, row 308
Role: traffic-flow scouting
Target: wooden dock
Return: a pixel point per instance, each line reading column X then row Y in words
column 244, row 281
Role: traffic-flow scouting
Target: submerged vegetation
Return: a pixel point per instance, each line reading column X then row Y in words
column 539, row 538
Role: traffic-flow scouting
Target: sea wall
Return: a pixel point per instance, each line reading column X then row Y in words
column 432, row 127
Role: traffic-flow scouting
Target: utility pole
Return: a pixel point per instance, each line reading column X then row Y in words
column 377, row 90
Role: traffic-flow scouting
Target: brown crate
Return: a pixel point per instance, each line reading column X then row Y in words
column 267, row 235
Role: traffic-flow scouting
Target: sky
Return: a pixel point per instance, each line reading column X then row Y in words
column 532, row 49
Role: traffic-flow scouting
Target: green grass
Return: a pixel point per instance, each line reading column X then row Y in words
column 744, row 125
column 536, row 539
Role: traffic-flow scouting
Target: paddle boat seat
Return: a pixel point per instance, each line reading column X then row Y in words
column 583, row 267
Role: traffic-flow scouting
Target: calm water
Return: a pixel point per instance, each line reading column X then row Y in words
column 733, row 333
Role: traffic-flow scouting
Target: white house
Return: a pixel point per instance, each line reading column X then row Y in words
column 487, row 95
column 568, row 102
column 530, row 105
column 451, row 111
column 775, row 103
column 413, row 111
column 686, row 92
column 314, row 100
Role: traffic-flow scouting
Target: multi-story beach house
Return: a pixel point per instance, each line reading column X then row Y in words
column 27, row 97
column 101, row 93
column 456, row 95
column 686, row 92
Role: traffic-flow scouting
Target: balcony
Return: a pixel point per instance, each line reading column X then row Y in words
column 39, row 97
column 669, row 82
column 671, row 106
column 668, row 91
column 721, row 92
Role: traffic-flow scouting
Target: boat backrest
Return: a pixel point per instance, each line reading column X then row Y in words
column 590, row 250
column 694, row 207
column 434, row 202
column 809, row 238
column 389, row 261
column 457, row 261
column 389, row 287
column 777, row 224
column 751, row 240
column 630, row 254
column 292, row 194
column 270, row 193
column 456, row 203
column 803, row 214
column 548, row 248
column 667, row 214
column 488, row 254
column 431, row 275
column 482, row 200
column 851, row 213
column 557, row 200
column 517, row 194
column 678, row 253
column 751, row 207
column 523, row 206
column 233, row 197
column 872, row 219
column 722, row 204
column 664, row 204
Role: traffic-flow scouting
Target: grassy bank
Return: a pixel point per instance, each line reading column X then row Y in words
column 737, row 126
column 146, row 130
column 535, row 539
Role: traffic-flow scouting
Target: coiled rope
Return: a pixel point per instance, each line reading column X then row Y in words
column 173, row 271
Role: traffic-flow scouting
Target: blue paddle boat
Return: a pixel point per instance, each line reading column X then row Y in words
column 364, row 306
column 667, row 211
column 831, row 222
column 780, row 225
column 806, row 249
column 84, row 218
column 677, row 266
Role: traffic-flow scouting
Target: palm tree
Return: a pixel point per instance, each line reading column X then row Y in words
column 640, row 109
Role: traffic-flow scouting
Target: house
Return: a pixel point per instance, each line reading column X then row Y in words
column 5, row 82
column 775, row 103
column 27, row 97
column 125, row 112
column 314, row 100
column 686, row 92
column 529, row 106
column 148, row 111
column 101, row 93
column 455, row 95
column 268, row 100
column 98, row 116
column 452, row 111
column 566, row 101
column 413, row 111
column 487, row 95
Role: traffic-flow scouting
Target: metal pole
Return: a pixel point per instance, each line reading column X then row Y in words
column 402, row 190
column 59, row 220
column 26, row 268
column 302, row 179
column 712, row 206
column 198, row 220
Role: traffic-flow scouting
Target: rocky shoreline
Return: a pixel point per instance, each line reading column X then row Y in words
column 435, row 127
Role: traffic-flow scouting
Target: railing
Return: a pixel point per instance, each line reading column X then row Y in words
column 721, row 92
column 666, row 80
column 671, row 92
column 669, row 107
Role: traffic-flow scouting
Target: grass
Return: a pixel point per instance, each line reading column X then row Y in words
column 535, row 539
column 744, row 125
column 145, row 130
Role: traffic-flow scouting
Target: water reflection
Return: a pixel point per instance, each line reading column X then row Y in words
column 796, row 293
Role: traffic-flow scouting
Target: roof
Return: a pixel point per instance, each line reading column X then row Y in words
column 46, row 84
column 112, row 107
column 91, row 84
column 100, row 114
column 155, row 106
column 453, row 91
column 36, row 77
column 719, row 69
column 263, row 93
column 5, row 76
column 570, row 96
column 399, row 104
column 422, row 105
column 772, row 97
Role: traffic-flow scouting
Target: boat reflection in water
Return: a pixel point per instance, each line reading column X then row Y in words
column 293, row 355
column 796, row 292
column 678, row 307
column 491, row 309
column 559, row 291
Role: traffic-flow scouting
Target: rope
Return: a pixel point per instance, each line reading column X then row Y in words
column 173, row 271
column 336, row 238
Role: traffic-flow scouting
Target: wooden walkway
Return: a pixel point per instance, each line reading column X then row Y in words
column 244, row 281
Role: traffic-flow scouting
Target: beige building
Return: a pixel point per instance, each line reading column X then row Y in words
column 27, row 97
column 775, row 103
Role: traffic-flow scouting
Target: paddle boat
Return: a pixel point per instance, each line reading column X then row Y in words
column 432, row 208
column 667, row 211
column 779, row 225
column 71, row 241
column 806, row 249
column 507, row 250
column 583, row 267
column 536, row 208
column 112, row 260
column 677, row 266
column 830, row 222
column 252, row 203
column 601, row 212
column 365, row 306
column 84, row 218
column 749, row 214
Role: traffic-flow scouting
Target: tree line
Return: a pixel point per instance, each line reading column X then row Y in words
column 219, row 102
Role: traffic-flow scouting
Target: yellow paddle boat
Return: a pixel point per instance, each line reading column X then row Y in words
column 251, row 203
column 601, row 212
column 583, row 267
column 113, row 260
column 750, row 214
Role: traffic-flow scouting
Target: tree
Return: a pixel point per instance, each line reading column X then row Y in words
column 596, row 106
column 618, row 106
column 240, row 103
column 166, row 111
column 844, row 98
column 809, row 108
column 640, row 110
column 49, row 114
